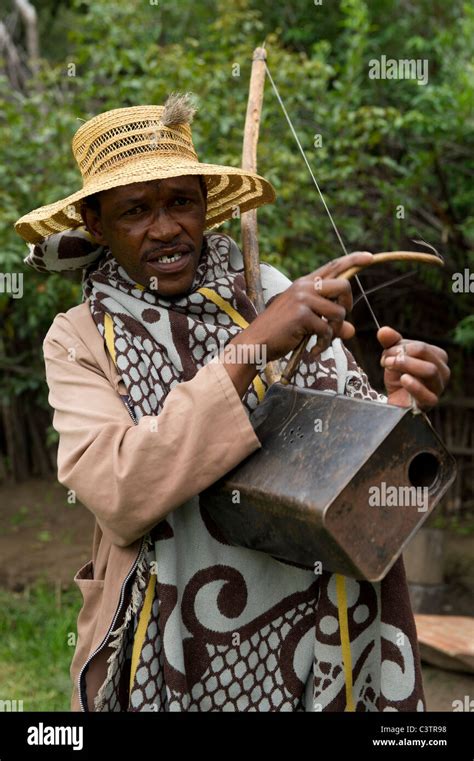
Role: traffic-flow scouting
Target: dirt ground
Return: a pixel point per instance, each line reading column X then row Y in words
column 43, row 536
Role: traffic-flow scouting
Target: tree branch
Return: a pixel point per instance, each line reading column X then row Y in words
column 13, row 65
column 29, row 17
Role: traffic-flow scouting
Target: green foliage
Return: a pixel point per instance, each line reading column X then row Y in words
column 385, row 144
column 464, row 333
column 463, row 526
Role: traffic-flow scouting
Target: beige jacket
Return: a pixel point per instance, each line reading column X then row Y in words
column 129, row 476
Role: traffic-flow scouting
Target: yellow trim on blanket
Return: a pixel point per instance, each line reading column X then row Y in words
column 225, row 306
column 345, row 640
column 259, row 387
column 142, row 627
column 241, row 322
column 109, row 335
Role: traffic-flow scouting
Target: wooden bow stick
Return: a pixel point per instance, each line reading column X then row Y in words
column 248, row 220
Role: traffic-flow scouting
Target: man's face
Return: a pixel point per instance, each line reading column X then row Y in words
column 147, row 220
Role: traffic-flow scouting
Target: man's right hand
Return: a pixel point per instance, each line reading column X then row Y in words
column 314, row 304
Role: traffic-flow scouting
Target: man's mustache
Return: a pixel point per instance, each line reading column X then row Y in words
column 175, row 248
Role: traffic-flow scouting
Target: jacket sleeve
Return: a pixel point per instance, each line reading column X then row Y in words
column 130, row 476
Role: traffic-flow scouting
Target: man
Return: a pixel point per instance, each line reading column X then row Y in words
column 174, row 617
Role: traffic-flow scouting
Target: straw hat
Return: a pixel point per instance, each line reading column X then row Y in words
column 138, row 144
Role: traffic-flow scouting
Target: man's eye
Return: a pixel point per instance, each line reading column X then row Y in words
column 135, row 210
column 181, row 201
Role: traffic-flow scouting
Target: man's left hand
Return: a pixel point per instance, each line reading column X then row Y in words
column 412, row 369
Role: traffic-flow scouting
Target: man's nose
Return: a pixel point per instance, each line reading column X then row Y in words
column 163, row 226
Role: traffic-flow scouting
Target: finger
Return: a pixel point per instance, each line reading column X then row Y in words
column 419, row 349
column 336, row 319
column 343, row 263
column 345, row 331
column 306, row 297
column 428, row 372
column 331, row 310
column 317, row 326
column 338, row 290
column 314, row 323
column 388, row 336
column 404, row 363
column 423, row 396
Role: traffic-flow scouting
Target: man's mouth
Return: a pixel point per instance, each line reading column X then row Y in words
column 168, row 258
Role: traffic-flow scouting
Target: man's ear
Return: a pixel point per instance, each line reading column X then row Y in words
column 93, row 224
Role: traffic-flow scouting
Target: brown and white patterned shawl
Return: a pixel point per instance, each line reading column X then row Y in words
column 224, row 628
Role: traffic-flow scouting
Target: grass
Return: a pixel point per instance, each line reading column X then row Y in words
column 37, row 640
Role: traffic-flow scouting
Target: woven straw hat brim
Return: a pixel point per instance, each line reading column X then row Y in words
column 229, row 189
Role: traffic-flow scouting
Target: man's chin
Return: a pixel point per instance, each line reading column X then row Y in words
column 170, row 284
column 170, row 290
